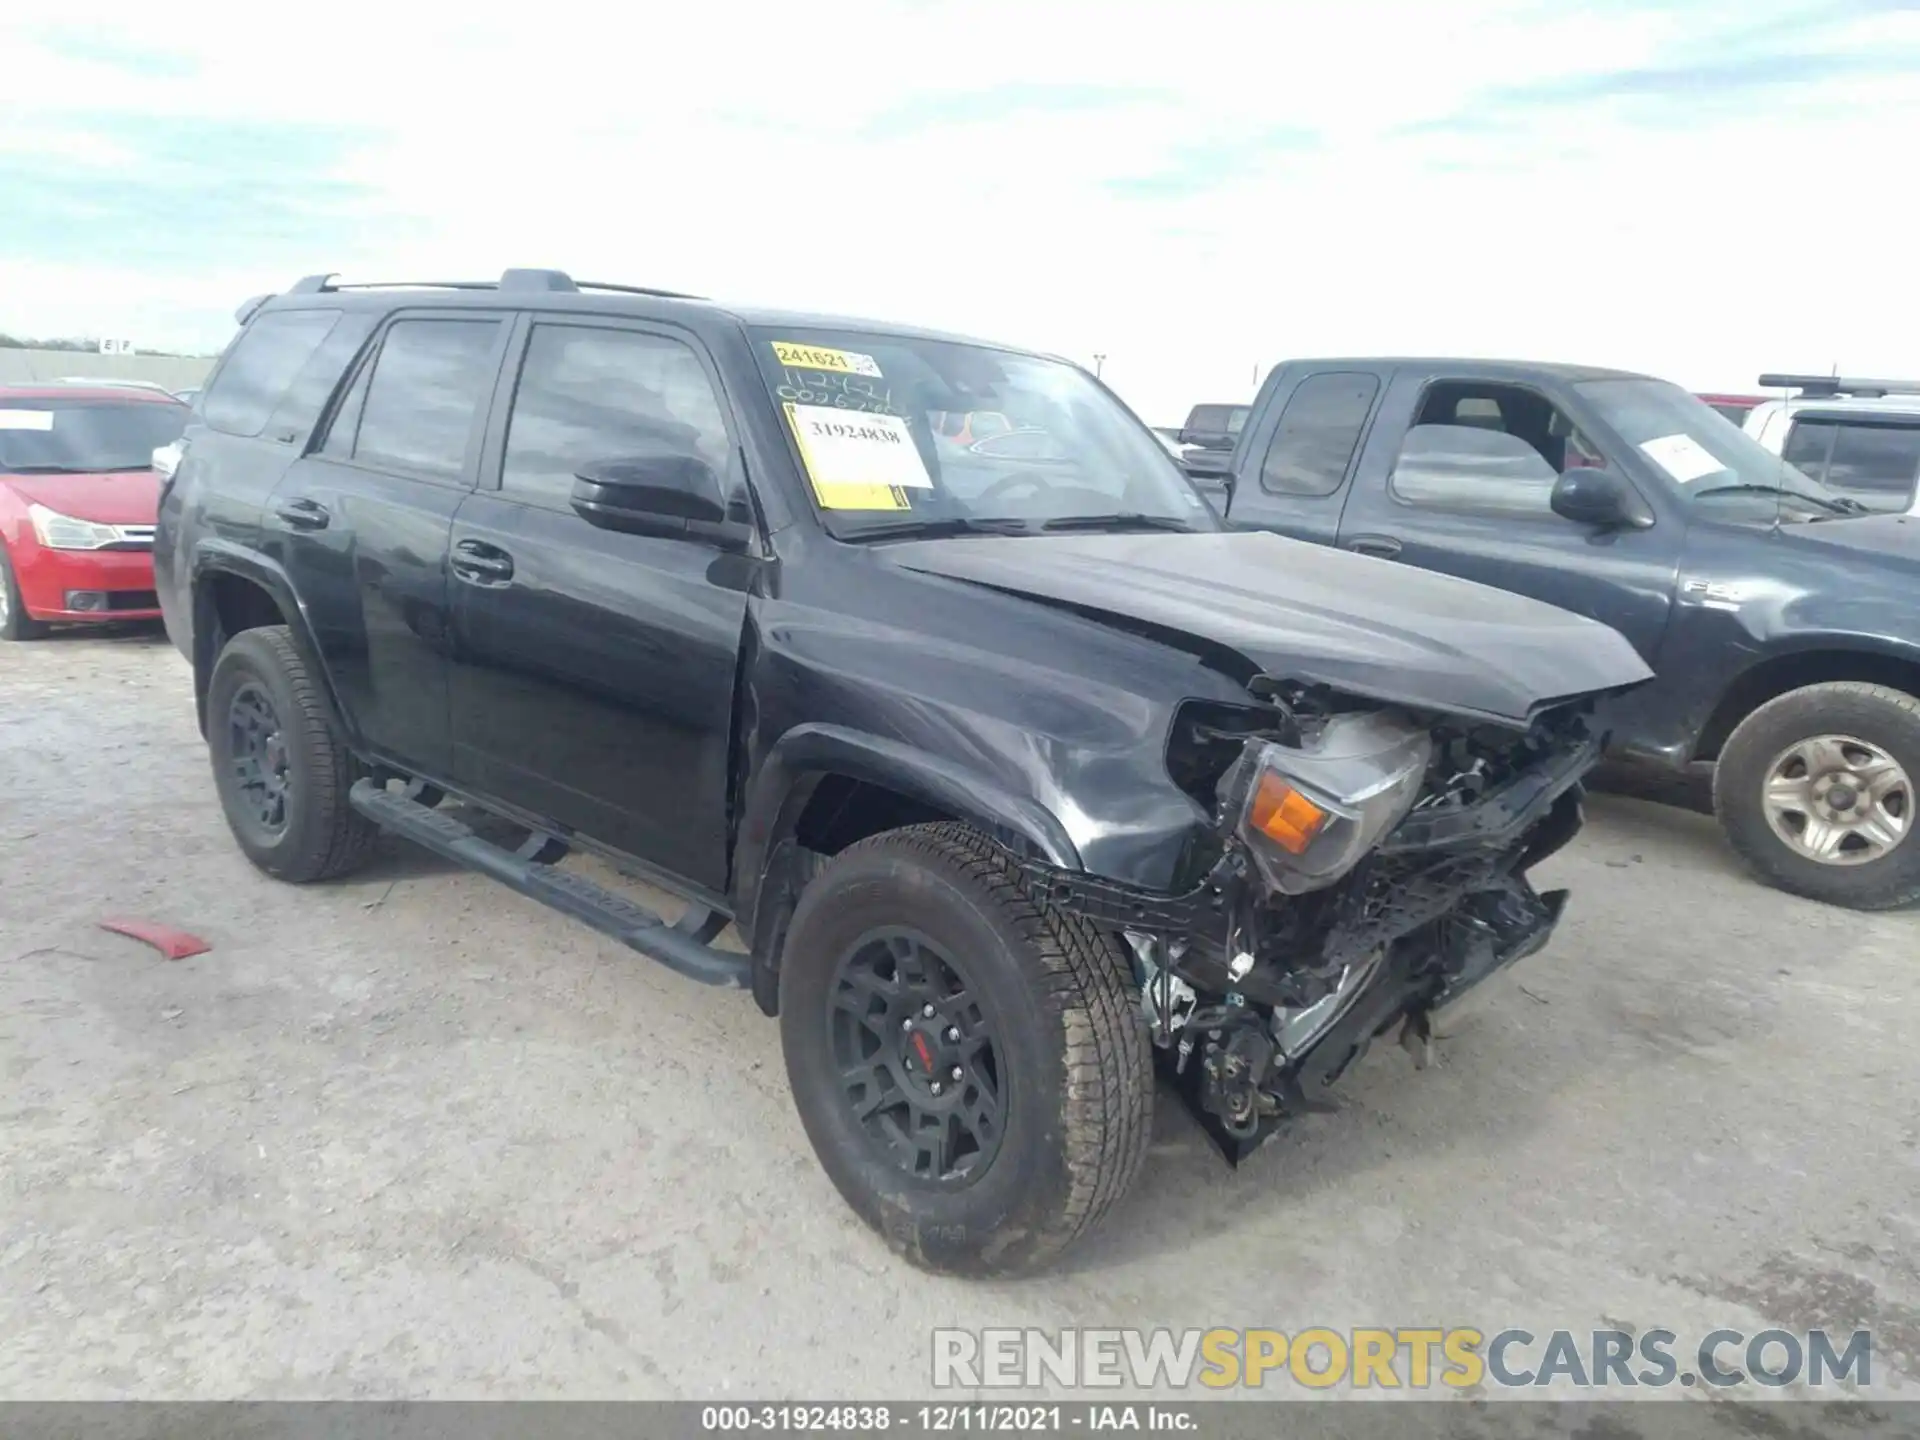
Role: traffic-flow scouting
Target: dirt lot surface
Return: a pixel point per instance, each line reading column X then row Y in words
column 411, row 1135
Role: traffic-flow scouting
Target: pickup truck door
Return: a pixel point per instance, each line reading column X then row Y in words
column 361, row 524
column 593, row 680
column 1466, row 491
column 1296, row 456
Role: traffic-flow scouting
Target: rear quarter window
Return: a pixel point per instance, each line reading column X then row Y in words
column 262, row 367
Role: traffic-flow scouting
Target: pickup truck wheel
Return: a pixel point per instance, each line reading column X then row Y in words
column 281, row 771
column 15, row 623
column 970, row 1064
column 1816, row 792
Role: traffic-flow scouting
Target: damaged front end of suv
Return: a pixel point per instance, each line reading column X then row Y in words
column 1365, row 867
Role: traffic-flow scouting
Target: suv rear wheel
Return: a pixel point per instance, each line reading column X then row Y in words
column 969, row 1064
column 281, row 771
column 1816, row 792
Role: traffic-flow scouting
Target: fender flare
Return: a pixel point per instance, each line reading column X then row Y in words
column 1844, row 648
column 787, row 777
column 222, row 557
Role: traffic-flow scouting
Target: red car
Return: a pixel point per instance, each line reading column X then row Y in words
column 1734, row 407
column 78, row 502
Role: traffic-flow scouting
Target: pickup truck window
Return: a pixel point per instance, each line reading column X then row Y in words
column 1809, row 443
column 428, row 382
column 266, row 360
column 588, row 393
column 1876, row 464
column 871, row 418
column 1474, row 469
column 1716, row 457
column 1318, row 432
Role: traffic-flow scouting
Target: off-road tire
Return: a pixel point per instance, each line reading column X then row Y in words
column 323, row 837
column 18, row 625
column 1877, row 714
column 1059, row 995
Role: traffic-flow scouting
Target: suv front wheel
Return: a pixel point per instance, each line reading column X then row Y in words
column 1816, row 792
column 970, row 1064
column 281, row 771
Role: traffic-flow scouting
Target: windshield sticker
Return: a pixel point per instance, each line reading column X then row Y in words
column 1682, row 457
column 847, row 362
column 863, row 462
column 838, row 389
column 26, row 420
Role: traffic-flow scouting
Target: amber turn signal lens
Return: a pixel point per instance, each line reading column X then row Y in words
column 1284, row 815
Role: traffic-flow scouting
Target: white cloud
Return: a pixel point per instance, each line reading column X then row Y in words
column 857, row 159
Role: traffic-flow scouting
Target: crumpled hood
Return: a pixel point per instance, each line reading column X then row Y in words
column 1373, row 628
column 120, row 497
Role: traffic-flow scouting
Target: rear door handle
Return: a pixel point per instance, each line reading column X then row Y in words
column 303, row 514
column 482, row 564
column 1381, row 547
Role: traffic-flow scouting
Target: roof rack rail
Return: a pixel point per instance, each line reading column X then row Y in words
column 415, row 285
column 512, row 281
column 1827, row 387
column 635, row 290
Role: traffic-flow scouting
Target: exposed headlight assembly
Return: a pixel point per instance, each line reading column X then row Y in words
column 1308, row 815
column 63, row 532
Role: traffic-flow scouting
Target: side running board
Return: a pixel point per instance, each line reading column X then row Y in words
column 680, row 947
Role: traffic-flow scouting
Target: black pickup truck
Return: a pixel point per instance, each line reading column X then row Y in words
column 1782, row 619
column 1006, row 762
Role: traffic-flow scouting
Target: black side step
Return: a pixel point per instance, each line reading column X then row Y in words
column 679, row 947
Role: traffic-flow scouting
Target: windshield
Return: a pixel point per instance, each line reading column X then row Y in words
column 61, row 437
column 1702, row 452
column 896, row 434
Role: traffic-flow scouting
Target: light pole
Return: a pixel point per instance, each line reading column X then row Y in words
column 1098, row 361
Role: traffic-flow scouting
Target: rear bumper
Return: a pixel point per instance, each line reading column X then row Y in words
column 123, row 577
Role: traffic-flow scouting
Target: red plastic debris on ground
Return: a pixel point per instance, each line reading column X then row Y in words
column 172, row 943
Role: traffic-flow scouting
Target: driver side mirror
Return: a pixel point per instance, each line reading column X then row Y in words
column 1601, row 497
column 663, row 492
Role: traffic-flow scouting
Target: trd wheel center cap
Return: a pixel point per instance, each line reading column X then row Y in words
column 928, row 1059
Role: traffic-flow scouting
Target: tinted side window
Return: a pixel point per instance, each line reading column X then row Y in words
column 263, row 365
column 1877, row 463
column 429, row 380
column 591, row 394
column 1318, row 432
column 1807, row 445
column 1465, row 467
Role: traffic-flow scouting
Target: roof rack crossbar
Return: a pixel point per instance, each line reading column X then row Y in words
column 1828, row 386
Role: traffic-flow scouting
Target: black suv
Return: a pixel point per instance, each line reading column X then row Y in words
column 1007, row 762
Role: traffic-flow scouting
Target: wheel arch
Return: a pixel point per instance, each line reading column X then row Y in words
column 1775, row 675
column 822, row 788
column 236, row 590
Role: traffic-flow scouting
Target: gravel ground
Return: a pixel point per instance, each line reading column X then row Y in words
column 411, row 1135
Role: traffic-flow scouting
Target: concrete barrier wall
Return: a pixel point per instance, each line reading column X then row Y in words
column 19, row 367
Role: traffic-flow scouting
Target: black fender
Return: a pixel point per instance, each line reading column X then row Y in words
column 794, row 766
column 214, row 556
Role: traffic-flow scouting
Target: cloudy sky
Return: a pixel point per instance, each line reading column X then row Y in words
column 1194, row 191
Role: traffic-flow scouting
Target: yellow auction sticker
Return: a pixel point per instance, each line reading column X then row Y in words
column 856, row 460
column 814, row 357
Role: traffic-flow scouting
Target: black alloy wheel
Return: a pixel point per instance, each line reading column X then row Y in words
column 258, row 749
column 916, row 1055
column 969, row 1062
column 280, row 767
